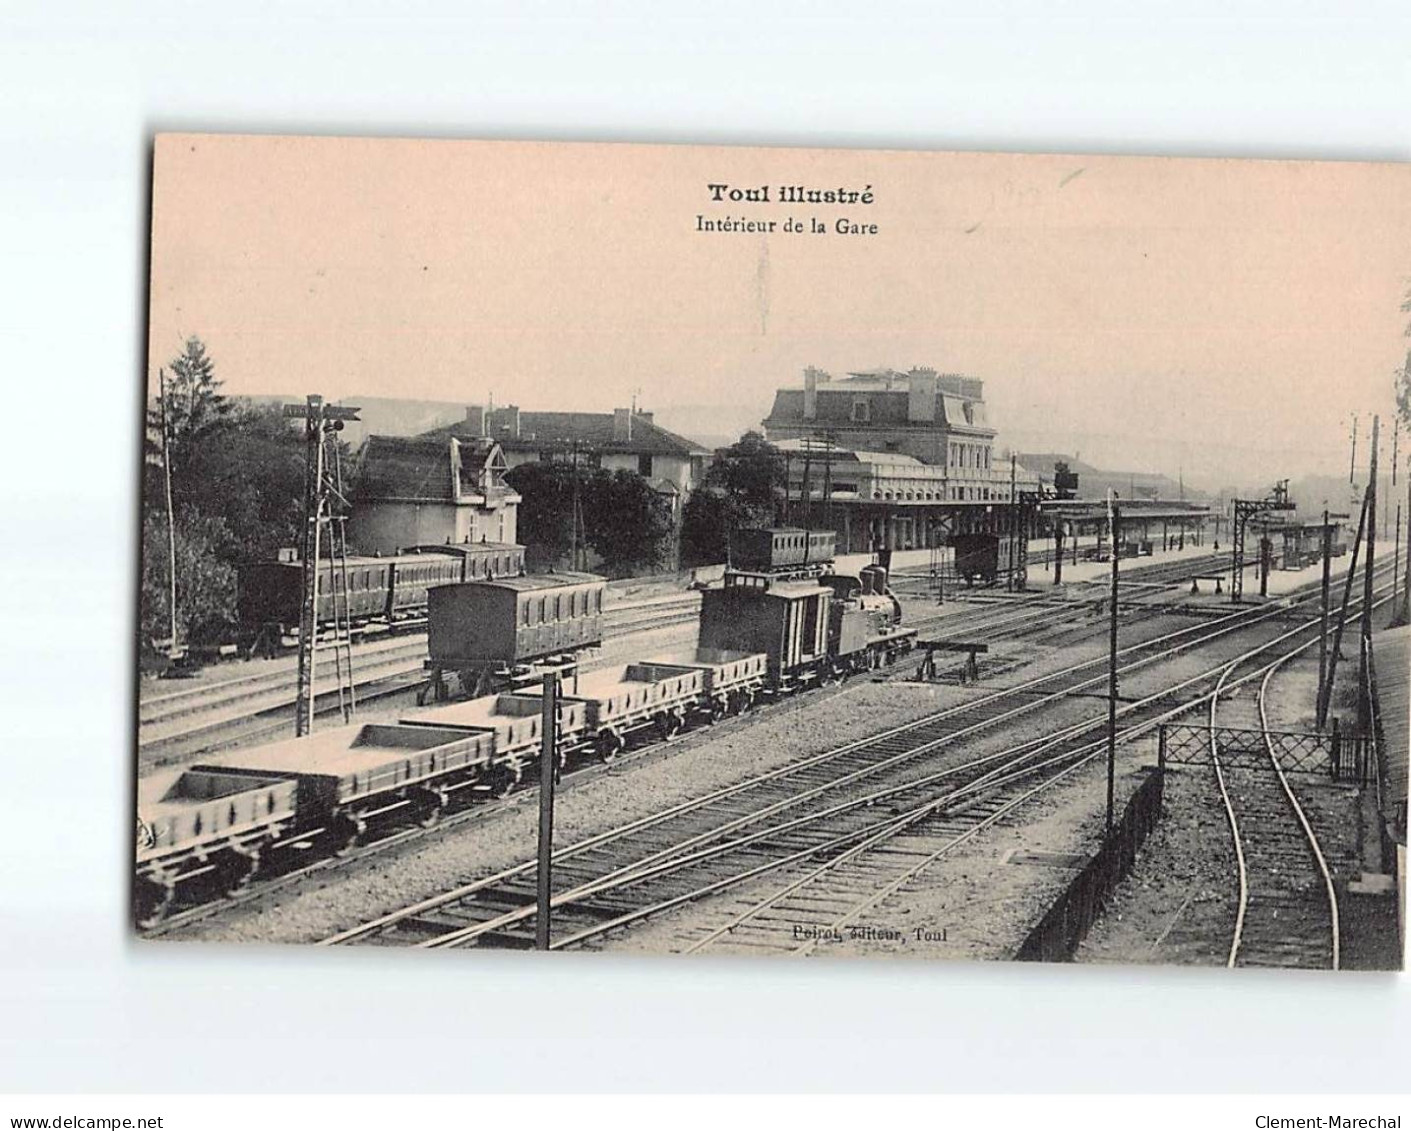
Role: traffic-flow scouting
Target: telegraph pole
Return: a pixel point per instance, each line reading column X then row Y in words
column 171, row 515
column 548, row 775
column 1114, row 517
column 1323, row 620
column 1362, row 674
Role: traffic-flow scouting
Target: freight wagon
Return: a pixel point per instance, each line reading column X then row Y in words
column 489, row 632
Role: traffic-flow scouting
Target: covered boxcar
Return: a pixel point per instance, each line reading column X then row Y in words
column 483, row 628
column 977, row 557
column 786, row 620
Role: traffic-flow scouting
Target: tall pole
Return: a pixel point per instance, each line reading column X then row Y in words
column 1114, row 517
column 1366, row 627
column 1342, row 617
column 1013, row 519
column 548, row 771
column 171, row 515
column 1405, row 616
column 1323, row 620
column 1371, row 533
column 1352, row 467
column 313, row 524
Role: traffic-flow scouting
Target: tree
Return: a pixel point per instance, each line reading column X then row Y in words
column 628, row 525
column 205, row 584
column 752, row 471
column 545, row 515
column 194, row 407
column 742, row 488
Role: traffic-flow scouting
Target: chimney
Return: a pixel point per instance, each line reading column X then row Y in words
column 649, row 417
column 921, row 396
column 810, row 392
column 622, row 424
column 475, row 420
column 504, row 421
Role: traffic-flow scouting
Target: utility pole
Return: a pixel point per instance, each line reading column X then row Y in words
column 548, row 776
column 1114, row 518
column 1362, row 674
column 1342, row 617
column 1013, row 518
column 1323, row 619
column 171, row 515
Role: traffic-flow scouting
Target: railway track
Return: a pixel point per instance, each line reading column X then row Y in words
column 1287, row 913
column 1008, row 621
column 792, row 815
column 214, row 716
column 817, row 905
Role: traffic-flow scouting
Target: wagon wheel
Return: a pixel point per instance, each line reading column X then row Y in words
column 346, row 831
column 429, row 809
column 237, row 871
column 500, row 780
column 151, row 899
column 667, row 724
column 609, row 744
column 719, row 708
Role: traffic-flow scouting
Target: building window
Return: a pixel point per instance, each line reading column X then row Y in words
column 861, row 410
column 644, row 466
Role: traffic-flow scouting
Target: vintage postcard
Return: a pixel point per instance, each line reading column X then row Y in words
column 775, row 552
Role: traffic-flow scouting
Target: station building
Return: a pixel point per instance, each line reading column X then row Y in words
column 895, row 460
column 419, row 491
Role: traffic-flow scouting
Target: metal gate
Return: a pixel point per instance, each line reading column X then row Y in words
column 1329, row 754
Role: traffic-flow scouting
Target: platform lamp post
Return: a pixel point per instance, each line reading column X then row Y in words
column 1114, row 518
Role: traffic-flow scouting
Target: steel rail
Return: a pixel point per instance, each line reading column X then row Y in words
column 1302, row 818
column 1237, row 936
column 1084, row 756
column 1213, row 630
column 636, row 872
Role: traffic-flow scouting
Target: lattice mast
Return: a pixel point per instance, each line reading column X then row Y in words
column 325, row 507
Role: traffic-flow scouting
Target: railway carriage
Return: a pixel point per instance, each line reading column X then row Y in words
column 487, row 631
column 269, row 594
column 783, row 548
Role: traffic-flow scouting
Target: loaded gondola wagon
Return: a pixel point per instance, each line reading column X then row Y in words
column 623, row 701
column 730, row 681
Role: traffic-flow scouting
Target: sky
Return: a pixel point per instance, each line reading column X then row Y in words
column 1220, row 318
